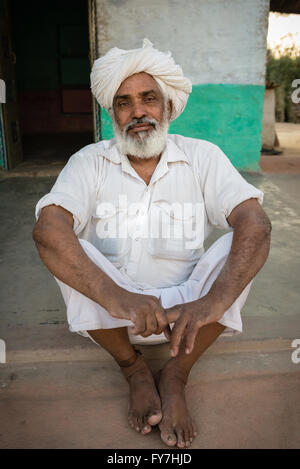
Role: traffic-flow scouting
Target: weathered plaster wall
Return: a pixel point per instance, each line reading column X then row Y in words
column 215, row 41
column 3, row 162
column 220, row 43
column 268, row 122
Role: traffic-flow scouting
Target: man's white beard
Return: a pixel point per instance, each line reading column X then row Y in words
column 146, row 145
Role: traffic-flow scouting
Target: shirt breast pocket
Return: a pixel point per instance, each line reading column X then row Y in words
column 176, row 232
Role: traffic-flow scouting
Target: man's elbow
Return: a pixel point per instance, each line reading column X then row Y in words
column 262, row 228
column 256, row 224
column 39, row 233
column 265, row 225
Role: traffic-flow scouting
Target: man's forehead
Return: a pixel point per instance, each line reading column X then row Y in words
column 138, row 83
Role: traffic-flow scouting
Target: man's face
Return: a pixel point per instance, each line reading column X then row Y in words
column 140, row 117
column 138, row 97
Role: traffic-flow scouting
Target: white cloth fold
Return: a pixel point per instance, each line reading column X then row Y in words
column 84, row 314
column 116, row 65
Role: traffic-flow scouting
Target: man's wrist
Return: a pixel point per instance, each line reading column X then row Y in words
column 109, row 290
column 214, row 305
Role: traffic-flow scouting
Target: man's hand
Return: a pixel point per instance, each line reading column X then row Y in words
column 188, row 318
column 145, row 311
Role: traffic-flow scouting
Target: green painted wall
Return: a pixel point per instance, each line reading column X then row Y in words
column 228, row 115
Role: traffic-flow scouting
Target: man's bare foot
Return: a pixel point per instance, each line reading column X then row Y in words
column 144, row 408
column 176, row 426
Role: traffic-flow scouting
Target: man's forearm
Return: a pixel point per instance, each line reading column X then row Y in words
column 249, row 251
column 63, row 255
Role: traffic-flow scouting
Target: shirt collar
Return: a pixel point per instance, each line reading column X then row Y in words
column 171, row 154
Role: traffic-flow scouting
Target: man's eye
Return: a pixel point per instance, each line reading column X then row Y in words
column 123, row 104
column 150, row 98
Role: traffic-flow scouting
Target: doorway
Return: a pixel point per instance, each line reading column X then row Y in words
column 50, row 40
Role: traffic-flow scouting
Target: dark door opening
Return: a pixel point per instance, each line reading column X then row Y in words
column 51, row 45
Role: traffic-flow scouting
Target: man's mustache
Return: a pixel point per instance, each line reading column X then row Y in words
column 142, row 120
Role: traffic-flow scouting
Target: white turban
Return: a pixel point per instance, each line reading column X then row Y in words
column 116, row 65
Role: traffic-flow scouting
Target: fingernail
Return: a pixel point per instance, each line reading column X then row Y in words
column 187, row 350
column 173, row 353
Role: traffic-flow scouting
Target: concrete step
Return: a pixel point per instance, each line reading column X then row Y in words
column 242, row 400
column 54, row 342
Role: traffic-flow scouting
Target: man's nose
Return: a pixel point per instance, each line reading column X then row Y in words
column 138, row 111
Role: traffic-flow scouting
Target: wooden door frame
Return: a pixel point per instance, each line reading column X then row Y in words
column 9, row 110
column 94, row 54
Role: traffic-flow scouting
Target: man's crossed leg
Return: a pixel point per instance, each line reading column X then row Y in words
column 156, row 399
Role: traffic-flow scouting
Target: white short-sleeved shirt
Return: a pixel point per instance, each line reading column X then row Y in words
column 152, row 233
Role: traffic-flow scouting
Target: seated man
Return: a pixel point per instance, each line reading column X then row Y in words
column 122, row 231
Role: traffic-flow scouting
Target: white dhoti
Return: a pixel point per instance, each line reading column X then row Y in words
column 84, row 314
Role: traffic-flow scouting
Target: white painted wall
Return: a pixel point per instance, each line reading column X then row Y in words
column 215, row 41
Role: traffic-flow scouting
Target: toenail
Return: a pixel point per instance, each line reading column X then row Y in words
column 170, row 437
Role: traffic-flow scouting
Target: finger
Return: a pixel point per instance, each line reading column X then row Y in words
column 177, row 334
column 173, row 313
column 167, row 332
column 161, row 318
column 151, row 325
column 139, row 324
column 191, row 334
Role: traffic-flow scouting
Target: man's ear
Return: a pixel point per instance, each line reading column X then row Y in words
column 170, row 109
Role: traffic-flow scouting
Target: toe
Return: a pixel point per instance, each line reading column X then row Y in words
column 168, row 436
column 136, row 424
column 195, row 430
column 191, row 433
column 155, row 417
column 146, row 427
column 140, row 424
column 130, row 417
column 180, row 439
column 170, row 439
column 131, row 420
column 187, row 437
